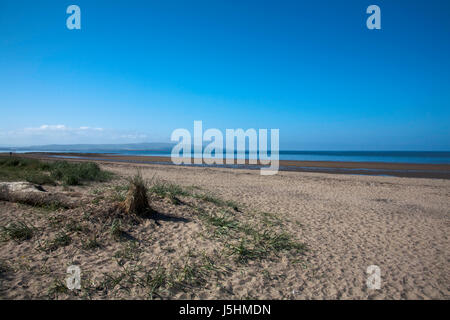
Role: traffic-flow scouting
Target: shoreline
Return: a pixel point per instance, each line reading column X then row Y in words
column 434, row 171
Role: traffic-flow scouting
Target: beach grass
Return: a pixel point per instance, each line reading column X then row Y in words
column 62, row 239
column 237, row 238
column 56, row 288
column 174, row 191
column 18, row 231
column 91, row 244
column 4, row 267
column 50, row 173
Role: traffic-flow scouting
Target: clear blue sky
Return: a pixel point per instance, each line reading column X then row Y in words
column 137, row 70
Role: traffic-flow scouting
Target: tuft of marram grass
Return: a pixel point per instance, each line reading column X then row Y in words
column 136, row 201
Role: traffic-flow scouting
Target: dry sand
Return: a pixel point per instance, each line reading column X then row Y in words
column 348, row 223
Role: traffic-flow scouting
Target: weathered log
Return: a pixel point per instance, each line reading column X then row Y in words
column 28, row 193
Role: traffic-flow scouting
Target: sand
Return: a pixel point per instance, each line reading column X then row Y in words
column 348, row 223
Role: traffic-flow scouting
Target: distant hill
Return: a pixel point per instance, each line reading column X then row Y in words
column 153, row 146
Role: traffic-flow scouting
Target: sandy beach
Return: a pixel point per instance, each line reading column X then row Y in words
column 346, row 222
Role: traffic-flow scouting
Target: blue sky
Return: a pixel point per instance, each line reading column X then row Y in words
column 137, row 70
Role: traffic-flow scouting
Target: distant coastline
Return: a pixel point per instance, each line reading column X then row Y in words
column 164, row 150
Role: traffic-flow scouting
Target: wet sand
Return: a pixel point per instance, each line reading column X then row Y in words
column 436, row 171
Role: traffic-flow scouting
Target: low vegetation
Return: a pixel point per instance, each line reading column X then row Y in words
column 61, row 240
column 18, row 231
column 50, row 173
column 91, row 244
column 250, row 241
column 117, row 221
column 4, row 268
column 169, row 190
column 77, row 173
column 174, row 192
column 57, row 287
column 116, row 229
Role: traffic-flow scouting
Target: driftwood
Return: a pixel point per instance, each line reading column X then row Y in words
column 28, row 193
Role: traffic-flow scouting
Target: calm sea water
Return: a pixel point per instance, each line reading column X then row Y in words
column 358, row 156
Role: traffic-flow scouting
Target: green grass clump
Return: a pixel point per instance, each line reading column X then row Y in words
column 116, row 230
column 190, row 274
column 61, row 240
column 169, row 190
column 119, row 193
column 252, row 242
column 4, row 268
column 14, row 162
column 39, row 178
column 166, row 189
column 173, row 191
column 155, row 280
column 264, row 244
column 73, row 226
column 76, row 173
column 56, row 288
column 17, row 231
column 91, row 244
column 277, row 242
column 112, row 280
column 31, row 170
column 223, row 224
column 40, row 172
column 130, row 251
column 244, row 252
column 217, row 201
